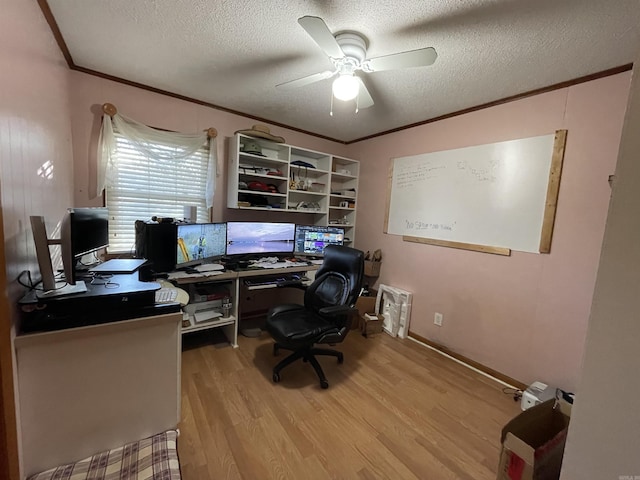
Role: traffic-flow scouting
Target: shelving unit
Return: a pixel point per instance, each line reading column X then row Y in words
column 343, row 196
column 315, row 183
column 228, row 325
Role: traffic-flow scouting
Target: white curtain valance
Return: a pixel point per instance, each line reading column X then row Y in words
column 146, row 139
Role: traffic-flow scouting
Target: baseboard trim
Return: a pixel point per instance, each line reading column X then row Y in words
column 468, row 362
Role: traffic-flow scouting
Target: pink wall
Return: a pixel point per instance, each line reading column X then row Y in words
column 88, row 93
column 604, row 435
column 35, row 131
column 524, row 315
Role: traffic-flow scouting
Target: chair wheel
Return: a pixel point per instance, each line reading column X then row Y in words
column 276, row 378
column 341, row 359
column 324, row 384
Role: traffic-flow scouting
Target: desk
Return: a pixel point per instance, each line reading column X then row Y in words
column 124, row 298
column 233, row 278
column 95, row 387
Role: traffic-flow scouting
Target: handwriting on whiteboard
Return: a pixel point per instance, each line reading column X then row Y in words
column 419, row 225
column 409, row 176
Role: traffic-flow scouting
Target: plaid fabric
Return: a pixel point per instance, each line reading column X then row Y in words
column 154, row 458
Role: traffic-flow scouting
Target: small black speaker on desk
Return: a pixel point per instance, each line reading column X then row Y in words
column 231, row 265
column 145, row 273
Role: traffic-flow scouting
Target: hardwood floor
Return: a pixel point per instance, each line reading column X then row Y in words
column 393, row 410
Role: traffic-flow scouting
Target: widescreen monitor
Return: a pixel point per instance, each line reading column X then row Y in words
column 200, row 242
column 311, row 239
column 260, row 238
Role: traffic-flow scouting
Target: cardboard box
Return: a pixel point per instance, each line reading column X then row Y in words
column 371, row 268
column 365, row 305
column 533, row 443
column 370, row 326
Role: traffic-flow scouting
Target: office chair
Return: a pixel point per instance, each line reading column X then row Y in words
column 325, row 317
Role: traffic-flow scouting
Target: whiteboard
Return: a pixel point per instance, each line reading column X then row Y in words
column 493, row 194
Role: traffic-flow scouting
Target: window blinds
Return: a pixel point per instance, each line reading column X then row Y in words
column 142, row 187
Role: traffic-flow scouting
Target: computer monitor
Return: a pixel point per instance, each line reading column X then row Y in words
column 88, row 229
column 260, row 238
column 311, row 239
column 83, row 231
column 200, row 242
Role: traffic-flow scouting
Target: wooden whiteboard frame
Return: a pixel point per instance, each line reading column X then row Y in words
column 551, row 203
column 553, row 188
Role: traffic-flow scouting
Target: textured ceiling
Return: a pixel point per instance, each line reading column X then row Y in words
column 233, row 53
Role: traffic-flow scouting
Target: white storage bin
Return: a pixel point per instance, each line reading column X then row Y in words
column 394, row 305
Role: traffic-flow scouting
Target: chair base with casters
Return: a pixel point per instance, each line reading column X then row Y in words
column 326, row 316
column 307, row 354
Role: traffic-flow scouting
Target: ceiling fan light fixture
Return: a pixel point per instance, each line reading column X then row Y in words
column 345, row 87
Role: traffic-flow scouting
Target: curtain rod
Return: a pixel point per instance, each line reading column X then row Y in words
column 110, row 109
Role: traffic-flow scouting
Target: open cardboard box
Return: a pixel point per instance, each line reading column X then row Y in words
column 533, row 442
column 365, row 305
column 370, row 324
column 371, row 268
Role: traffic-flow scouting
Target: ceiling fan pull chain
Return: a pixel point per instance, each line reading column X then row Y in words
column 331, row 109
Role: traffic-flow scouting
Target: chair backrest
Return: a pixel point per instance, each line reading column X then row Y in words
column 338, row 280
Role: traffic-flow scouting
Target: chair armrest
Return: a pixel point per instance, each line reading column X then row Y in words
column 337, row 310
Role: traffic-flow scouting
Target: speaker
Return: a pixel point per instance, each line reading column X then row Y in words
column 157, row 242
column 190, row 214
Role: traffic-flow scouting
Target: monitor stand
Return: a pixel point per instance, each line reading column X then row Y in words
column 62, row 289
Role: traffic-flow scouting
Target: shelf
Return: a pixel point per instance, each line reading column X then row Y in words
column 335, row 175
column 218, row 322
column 307, row 171
column 275, row 209
column 260, row 192
column 343, row 197
column 257, row 160
column 325, row 174
column 307, row 192
column 260, row 175
column 302, row 210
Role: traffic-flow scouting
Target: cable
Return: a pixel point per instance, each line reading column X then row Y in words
column 30, row 286
column 515, row 392
column 34, row 286
column 103, row 279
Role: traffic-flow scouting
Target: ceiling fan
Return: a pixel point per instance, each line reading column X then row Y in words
column 348, row 53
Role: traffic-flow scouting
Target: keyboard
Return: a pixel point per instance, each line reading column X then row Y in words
column 284, row 280
column 209, row 267
column 166, row 295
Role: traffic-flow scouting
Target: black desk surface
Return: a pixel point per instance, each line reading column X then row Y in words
column 114, row 285
column 119, row 297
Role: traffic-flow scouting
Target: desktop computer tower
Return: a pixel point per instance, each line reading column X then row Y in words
column 157, row 243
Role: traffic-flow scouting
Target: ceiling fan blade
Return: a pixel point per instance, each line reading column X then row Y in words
column 364, row 97
column 414, row 58
column 321, row 34
column 309, row 79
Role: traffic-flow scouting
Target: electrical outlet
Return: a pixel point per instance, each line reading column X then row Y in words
column 437, row 319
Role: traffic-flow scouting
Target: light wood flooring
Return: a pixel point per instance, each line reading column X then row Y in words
column 393, row 410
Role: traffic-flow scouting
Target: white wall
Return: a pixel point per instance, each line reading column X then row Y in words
column 604, row 434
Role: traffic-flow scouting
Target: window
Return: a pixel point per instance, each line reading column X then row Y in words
column 143, row 187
